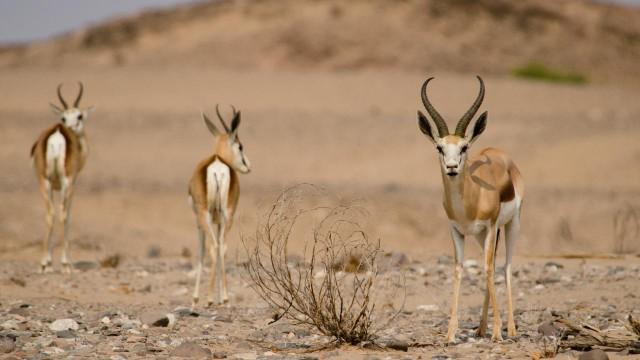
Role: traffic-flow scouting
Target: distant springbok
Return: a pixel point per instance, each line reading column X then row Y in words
column 214, row 190
column 481, row 194
column 58, row 156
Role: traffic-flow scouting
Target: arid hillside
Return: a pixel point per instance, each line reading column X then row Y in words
column 488, row 36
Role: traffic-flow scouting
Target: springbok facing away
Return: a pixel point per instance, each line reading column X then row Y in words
column 58, row 156
column 213, row 194
column 481, row 194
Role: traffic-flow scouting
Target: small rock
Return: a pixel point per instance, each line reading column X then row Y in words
column 18, row 281
column 64, row 324
column 246, row 356
column 65, row 334
column 594, row 355
column 85, row 265
column 445, row 260
column 223, row 318
column 191, row 350
column 219, row 355
column 155, row 318
column 470, row 263
column 427, row 307
column 154, row 251
column 7, row 344
column 393, row 260
column 547, row 329
column 396, row 344
column 538, row 287
column 10, row 324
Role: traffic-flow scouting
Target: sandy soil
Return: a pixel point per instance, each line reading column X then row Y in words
column 355, row 134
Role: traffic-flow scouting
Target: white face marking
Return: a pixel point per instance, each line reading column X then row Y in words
column 241, row 162
column 74, row 119
column 453, row 154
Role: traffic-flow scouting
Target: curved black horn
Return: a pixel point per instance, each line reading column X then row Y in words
column 77, row 102
column 461, row 128
column 443, row 130
column 64, row 103
column 226, row 128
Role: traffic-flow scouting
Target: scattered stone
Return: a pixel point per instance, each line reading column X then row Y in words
column 111, row 261
column 594, row 355
column 11, row 324
column 219, row 355
column 223, row 318
column 246, row 356
column 428, row 307
column 191, row 350
column 185, row 253
column 154, row 251
column 396, row 344
column 65, row 334
column 183, row 311
column 470, row 263
column 7, row 344
column 548, row 329
column 64, row 324
column 445, row 260
column 158, row 319
column 18, row 281
column 85, row 265
column 392, row 260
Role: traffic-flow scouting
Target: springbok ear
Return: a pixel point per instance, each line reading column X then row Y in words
column 87, row 111
column 212, row 128
column 479, row 127
column 234, row 125
column 56, row 110
column 424, row 126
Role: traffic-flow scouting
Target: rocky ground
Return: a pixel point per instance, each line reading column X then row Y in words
column 138, row 308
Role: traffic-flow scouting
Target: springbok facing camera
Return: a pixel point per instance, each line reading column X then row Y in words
column 58, row 156
column 213, row 193
column 481, row 194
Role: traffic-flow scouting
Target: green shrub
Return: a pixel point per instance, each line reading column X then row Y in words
column 537, row 71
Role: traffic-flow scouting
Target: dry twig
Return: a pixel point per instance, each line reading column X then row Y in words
column 319, row 291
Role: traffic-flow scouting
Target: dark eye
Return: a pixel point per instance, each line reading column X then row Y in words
column 440, row 149
column 80, row 117
column 464, row 149
column 240, row 147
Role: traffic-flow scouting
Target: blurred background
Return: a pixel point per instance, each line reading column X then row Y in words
column 328, row 92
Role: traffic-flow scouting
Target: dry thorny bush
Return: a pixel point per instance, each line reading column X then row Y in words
column 336, row 286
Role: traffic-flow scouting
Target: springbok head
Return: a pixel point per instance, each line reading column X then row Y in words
column 72, row 116
column 228, row 145
column 452, row 147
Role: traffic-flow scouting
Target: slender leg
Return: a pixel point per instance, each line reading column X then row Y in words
column 47, row 244
column 482, row 329
column 512, row 230
column 489, row 260
column 65, row 209
column 213, row 249
column 222, row 250
column 201, row 250
column 458, row 243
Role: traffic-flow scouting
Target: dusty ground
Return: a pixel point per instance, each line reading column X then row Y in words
column 354, row 133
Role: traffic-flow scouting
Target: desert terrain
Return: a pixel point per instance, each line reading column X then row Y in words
column 352, row 131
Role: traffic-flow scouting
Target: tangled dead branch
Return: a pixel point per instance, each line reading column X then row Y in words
column 585, row 336
column 336, row 287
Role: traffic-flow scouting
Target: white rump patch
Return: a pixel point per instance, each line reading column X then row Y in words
column 508, row 210
column 218, row 184
column 55, row 154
